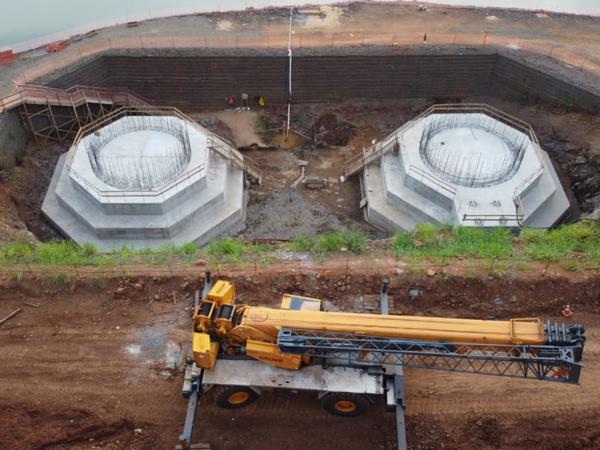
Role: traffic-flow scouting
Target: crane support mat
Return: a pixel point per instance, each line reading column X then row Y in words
column 315, row 377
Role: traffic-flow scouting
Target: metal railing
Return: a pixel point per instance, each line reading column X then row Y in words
column 102, row 41
column 361, row 160
column 150, row 193
column 73, row 97
column 483, row 108
column 228, row 152
column 437, row 182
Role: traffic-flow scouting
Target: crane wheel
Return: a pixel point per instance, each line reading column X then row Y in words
column 345, row 405
column 231, row 397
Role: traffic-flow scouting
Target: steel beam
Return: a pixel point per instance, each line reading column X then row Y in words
column 190, row 416
column 383, row 297
column 400, row 407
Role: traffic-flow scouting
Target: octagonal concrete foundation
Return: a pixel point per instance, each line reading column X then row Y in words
column 177, row 199
column 468, row 169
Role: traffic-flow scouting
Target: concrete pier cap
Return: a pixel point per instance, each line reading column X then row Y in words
column 467, row 165
column 145, row 178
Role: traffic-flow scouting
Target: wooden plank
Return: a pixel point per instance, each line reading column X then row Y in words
column 12, row 314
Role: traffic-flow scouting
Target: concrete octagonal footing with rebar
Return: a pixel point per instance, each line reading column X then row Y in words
column 462, row 165
column 145, row 181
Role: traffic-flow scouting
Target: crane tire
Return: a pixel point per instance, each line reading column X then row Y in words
column 231, row 397
column 345, row 404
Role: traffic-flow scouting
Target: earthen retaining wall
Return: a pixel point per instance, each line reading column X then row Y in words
column 200, row 82
column 12, row 139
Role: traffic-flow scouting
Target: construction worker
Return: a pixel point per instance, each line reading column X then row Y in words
column 567, row 311
column 261, row 101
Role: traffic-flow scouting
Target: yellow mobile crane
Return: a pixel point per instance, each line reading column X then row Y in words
column 350, row 357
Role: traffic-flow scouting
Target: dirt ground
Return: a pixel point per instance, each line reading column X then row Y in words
column 97, row 366
column 22, row 192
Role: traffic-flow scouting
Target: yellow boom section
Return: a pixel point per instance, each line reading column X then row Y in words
column 515, row 331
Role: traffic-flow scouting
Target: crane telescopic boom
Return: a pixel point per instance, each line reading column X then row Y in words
column 298, row 332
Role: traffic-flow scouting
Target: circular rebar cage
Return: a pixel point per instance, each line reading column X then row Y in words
column 471, row 149
column 139, row 153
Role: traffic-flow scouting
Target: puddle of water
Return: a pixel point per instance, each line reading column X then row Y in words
column 154, row 347
column 133, row 349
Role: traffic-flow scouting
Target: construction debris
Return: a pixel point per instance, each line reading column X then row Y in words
column 314, row 182
column 12, row 314
column 330, row 129
column 414, row 293
column 54, row 47
column 567, row 311
column 311, row 12
column 33, row 305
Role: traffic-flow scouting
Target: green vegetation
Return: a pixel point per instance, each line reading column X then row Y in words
column 580, row 240
column 69, row 253
column 264, row 128
column 52, row 253
column 13, row 175
column 332, row 241
column 233, row 250
column 431, row 240
column 576, row 247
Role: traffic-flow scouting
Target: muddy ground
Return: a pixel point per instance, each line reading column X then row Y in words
column 283, row 207
column 97, row 365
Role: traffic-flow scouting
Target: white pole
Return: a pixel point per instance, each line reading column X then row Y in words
column 289, row 106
